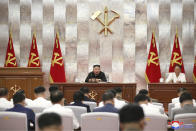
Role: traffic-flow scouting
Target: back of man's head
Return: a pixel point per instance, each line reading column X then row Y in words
column 56, row 97
column 181, row 90
column 186, row 98
column 118, row 90
column 39, row 90
column 113, row 91
column 3, row 92
column 84, row 90
column 141, row 99
column 18, row 98
column 131, row 117
column 144, row 92
column 53, row 88
column 50, row 122
column 78, row 96
column 108, row 96
column 21, row 91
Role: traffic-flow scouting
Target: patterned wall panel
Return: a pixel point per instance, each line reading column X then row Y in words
column 122, row 55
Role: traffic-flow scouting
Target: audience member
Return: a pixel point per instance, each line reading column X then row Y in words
column 145, row 92
column 179, row 92
column 108, row 100
column 50, row 122
column 40, row 100
column 4, row 103
column 186, row 102
column 57, row 99
column 117, row 103
column 19, row 103
column 142, row 100
column 78, row 98
column 85, row 91
column 131, row 118
column 28, row 102
column 119, row 94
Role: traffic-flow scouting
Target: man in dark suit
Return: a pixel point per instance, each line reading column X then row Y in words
column 78, row 98
column 85, row 91
column 96, row 75
column 108, row 100
column 19, row 103
column 186, row 102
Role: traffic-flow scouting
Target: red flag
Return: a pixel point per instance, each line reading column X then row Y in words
column 153, row 71
column 34, row 56
column 176, row 57
column 194, row 71
column 10, row 59
column 57, row 71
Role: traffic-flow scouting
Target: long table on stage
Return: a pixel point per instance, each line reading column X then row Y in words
column 165, row 92
column 97, row 89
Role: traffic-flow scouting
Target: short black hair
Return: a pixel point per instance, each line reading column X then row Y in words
column 108, row 95
column 3, row 92
column 143, row 91
column 18, row 98
column 49, row 119
column 39, row 90
column 78, row 96
column 21, row 91
column 96, row 66
column 185, row 96
column 118, row 90
column 112, row 91
column 181, row 90
column 53, row 88
column 177, row 65
column 131, row 113
column 56, row 96
column 140, row 97
column 85, row 90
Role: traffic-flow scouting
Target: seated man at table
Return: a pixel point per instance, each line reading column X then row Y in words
column 78, row 98
column 176, row 76
column 108, row 100
column 186, row 102
column 85, row 91
column 19, row 103
column 4, row 102
column 96, row 75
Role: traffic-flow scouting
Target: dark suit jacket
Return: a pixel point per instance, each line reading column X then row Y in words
column 186, row 109
column 106, row 108
column 30, row 114
column 81, row 104
column 101, row 76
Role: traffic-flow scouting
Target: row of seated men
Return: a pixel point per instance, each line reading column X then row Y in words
column 112, row 102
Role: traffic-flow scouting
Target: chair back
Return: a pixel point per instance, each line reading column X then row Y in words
column 170, row 106
column 100, row 121
column 2, row 109
column 92, row 105
column 188, row 120
column 13, row 121
column 155, row 122
column 157, row 104
column 36, row 109
column 78, row 111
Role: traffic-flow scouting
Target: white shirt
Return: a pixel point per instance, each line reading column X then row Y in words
column 41, row 102
column 172, row 76
column 4, row 103
column 176, row 100
column 57, row 108
column 117, row 103
column 149, row 109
